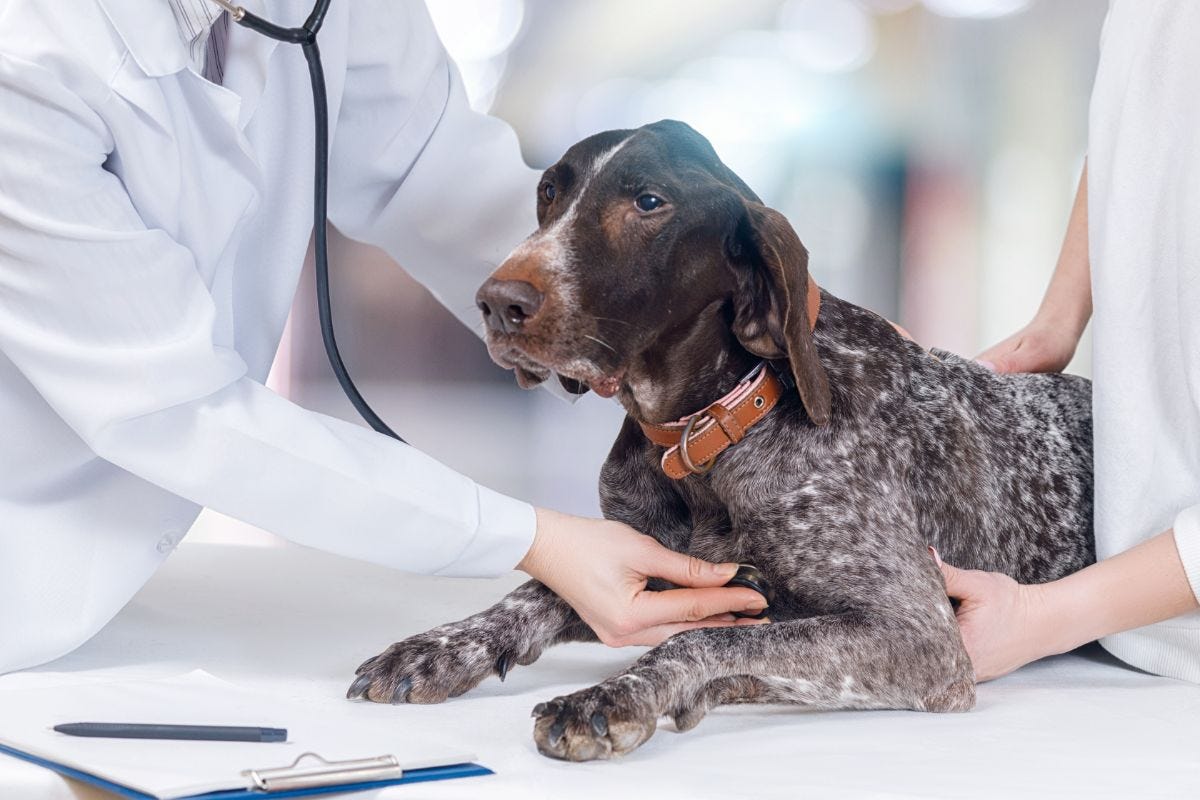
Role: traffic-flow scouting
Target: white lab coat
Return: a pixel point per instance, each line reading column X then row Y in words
column 152, row 230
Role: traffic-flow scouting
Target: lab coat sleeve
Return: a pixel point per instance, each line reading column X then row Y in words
column 112, row 324
column 417, row 173
column 414, row 170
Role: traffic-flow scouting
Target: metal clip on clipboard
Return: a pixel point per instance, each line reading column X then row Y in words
column 326, row 773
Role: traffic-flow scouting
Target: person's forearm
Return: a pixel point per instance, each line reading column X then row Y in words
column 1140, row 586
column 1068, row 299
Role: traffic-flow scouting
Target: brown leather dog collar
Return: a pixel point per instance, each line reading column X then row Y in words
column 694, row 442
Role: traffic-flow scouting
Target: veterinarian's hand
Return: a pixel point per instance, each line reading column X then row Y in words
column 1048, row 343
column 1000, row 620
column 1040, row 346
column 601, row 567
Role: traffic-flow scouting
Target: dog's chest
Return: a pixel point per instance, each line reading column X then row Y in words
column 714, row 539
column 721, row 534
column 727, row 507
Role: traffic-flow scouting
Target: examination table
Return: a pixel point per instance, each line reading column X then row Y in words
column 296, row 622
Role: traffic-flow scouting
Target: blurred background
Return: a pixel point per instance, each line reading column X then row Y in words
column 926, row 152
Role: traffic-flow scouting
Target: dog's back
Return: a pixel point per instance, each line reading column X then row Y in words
column 998, row 467
column 1003, row 478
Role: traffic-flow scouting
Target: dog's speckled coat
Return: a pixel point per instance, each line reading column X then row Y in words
column 920, row 448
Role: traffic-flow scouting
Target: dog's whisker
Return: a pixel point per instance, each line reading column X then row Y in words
column 600, row 342
column 612, row 319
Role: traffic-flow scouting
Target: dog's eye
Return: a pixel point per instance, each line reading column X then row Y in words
column 648, row 202
column 548, row 192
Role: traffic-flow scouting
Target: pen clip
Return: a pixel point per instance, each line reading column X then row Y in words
column 325, row 773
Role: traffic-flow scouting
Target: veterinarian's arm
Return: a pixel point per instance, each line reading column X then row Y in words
column 1006, row 624
column 1048, row 342
column 600, row 567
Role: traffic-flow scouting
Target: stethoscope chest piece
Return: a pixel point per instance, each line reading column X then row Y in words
column 749, row 577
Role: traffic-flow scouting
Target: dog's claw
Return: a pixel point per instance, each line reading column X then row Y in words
column 502, row 664
column 600, row 724
column 400, row 694
column 556, row 731
column 358, row 687
column 546, row 709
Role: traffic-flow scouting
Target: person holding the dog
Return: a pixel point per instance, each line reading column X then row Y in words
column 1131, row 262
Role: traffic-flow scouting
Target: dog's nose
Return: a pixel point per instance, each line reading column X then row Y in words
column 508, row 305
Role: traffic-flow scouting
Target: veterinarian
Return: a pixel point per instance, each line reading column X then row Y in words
column 155, row 208
column 1132, row 251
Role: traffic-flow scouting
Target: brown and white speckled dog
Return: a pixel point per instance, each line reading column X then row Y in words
column 657, row 276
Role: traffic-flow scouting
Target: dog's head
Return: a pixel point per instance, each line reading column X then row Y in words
column 649, row 248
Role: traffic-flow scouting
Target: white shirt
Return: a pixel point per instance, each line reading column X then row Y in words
column 1144, row 241
column 152, row 231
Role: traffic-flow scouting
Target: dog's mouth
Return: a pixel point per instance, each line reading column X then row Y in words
column 576, row 374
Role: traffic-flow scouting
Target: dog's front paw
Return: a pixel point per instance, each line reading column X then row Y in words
column 428, row 668
column 601, row 722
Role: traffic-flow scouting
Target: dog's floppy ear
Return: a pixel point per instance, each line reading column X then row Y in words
column 771, row 305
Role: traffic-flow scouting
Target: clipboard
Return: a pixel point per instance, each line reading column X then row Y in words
column 331, row 745
column 295, row 780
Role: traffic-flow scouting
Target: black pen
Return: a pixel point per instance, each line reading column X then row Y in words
column 211, row 733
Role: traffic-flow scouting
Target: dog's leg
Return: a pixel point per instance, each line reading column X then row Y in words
column 858, row 659
column 452, row 659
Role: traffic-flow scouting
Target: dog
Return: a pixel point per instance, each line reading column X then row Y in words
column 658, row 277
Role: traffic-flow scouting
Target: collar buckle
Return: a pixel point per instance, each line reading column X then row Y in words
column 693, row 443
column 684, row 456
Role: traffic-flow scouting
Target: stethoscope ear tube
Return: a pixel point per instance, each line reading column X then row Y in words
column 306, row 37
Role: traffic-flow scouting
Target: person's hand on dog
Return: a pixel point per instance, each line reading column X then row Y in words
column 1041, row 346
column 1006, row 624
column 998, row 618
column 601, row 567
column 1048, row 342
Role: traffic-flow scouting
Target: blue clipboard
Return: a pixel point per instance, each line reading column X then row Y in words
column 409, row 776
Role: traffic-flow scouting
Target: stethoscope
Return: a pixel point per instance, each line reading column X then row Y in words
column 306, row 37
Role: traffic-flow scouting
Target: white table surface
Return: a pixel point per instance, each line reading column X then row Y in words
column 296, row 622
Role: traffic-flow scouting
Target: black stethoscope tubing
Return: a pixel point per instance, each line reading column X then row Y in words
column 306, row 37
